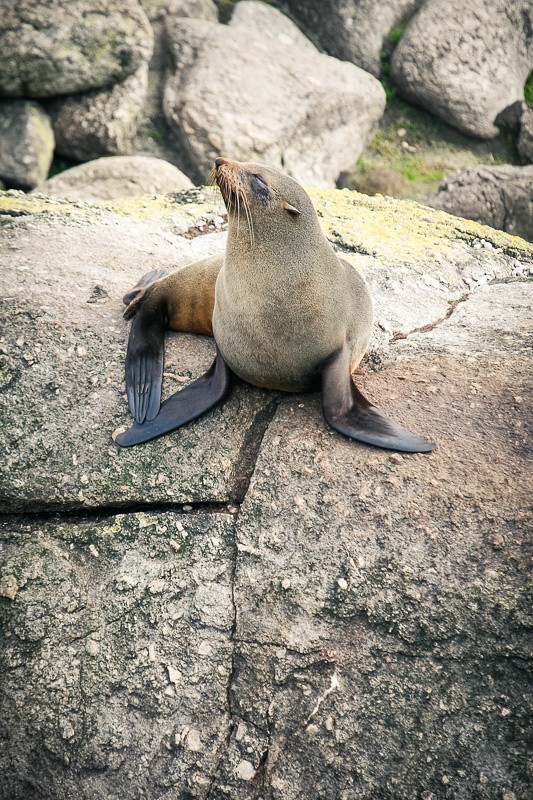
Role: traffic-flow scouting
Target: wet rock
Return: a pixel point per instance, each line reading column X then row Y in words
column 26, row 143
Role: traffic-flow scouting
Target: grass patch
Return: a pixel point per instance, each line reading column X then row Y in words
column 528, row 91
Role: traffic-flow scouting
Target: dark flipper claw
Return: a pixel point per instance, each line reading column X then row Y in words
column 183, row 406
column 349, row 412
column 144, row 282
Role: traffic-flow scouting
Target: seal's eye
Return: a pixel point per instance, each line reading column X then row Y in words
column 259, row 182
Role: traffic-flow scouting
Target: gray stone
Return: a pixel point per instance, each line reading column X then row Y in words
column 265, row 101
column 466, row 62
column 26, row 143
column 67, row 46
column 352, row 30
column 200, row 9
column 498, row 196
column 322, row 619
column 124, row 674
column 267, row 21
column 116, row 176
column 101, row 123
column 525, row 137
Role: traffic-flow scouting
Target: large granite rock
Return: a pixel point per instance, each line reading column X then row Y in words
column 68, row 46
column 256, row 16
column 466, row 60
column 101, row 123
column 352, row 30
column 525, row 137
column 201, row 9
column 116, row 176
column 263, row 100
column 276, row 611
column 501, row 197
column 26, row 143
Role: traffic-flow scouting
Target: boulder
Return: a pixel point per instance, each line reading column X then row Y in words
column 498, row 196
column 254, row 603
column 116, row 176
column 202, row 9
column 252, row 15
column 67, row 46
column 352, row 30
column 101, row 122
column 262, row 100
column 525, row 137
column 26, row 143
column 466, row 62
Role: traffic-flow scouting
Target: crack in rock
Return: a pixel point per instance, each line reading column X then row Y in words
column 431, row 325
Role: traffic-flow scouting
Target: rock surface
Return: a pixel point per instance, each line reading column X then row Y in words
column 67, row 46
column 201, row 9
column 101, row 123
column 305, row 113
column 525, row 138
column 276, row 611
column 352, row 30
column 26, row 143
column 466, row 62
column 501, row 197
column 116, row 176
column 267, row 21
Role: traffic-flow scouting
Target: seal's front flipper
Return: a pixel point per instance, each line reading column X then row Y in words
column 144, row 282
column 350, row 413
column 144, row 365
column 183, row 406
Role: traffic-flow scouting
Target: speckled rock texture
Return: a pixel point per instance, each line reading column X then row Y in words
column 101, row 122
column 256, row 16
column 466, row 61
column 66, row 46
column 525, row 137
column 352, row 30
column 202, row 9
column 26, row 143
column 501, row 197
column 116, row 176
column 254, row 606
column 282, row 105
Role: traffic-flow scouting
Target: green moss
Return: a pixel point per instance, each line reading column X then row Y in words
column 528, row 91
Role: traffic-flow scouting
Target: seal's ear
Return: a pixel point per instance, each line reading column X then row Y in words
column 291, row 209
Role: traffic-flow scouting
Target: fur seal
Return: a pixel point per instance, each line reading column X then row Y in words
column 286, row 313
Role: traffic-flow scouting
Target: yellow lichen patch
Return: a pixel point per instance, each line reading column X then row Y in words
column 21, row 204
column 400, row 230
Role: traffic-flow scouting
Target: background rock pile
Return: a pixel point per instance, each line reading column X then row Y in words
column 84, row 79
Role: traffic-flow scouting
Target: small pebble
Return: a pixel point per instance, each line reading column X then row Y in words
column 343, row 583
column 9, row 587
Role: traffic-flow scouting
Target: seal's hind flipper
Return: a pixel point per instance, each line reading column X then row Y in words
column 349, row 412
column 144, row 365
column 143, row 283
column 189, row 403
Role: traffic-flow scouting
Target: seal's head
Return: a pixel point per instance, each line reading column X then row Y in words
column 253, row 190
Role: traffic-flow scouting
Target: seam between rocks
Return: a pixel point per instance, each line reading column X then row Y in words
column 452, row 305
column 241, row 476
